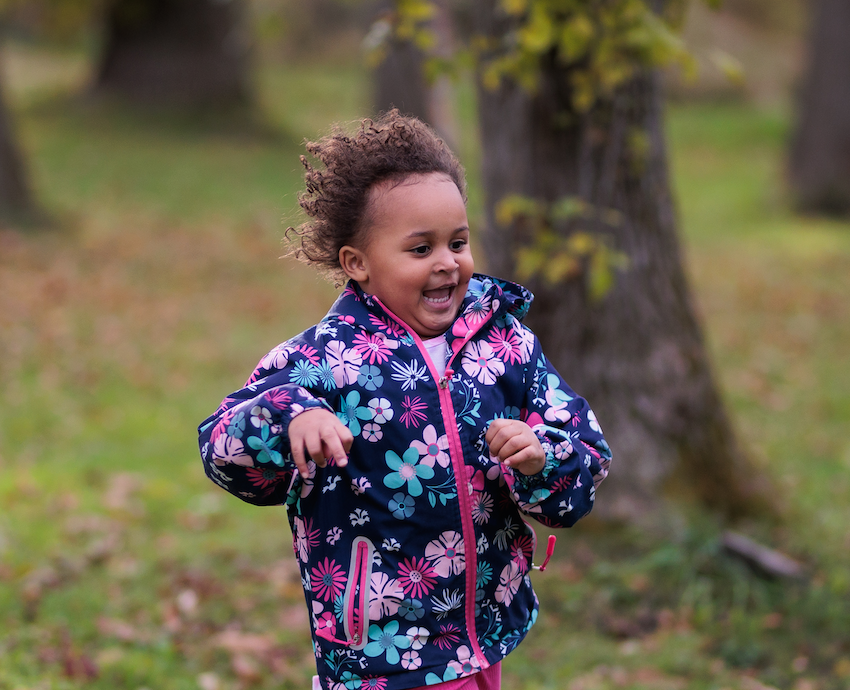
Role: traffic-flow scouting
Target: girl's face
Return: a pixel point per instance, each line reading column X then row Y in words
column 415, row 256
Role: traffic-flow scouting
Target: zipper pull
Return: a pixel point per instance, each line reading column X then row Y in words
column 444, row 381
column 326, row 634
column 550, row 549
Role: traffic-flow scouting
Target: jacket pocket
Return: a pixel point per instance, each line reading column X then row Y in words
column 356, row 601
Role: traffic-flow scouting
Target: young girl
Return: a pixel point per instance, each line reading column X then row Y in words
column 410, row 431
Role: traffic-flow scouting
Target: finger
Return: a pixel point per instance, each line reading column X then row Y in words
column 333, row 448
column 346, row 437
column 298, row 457
column 314, row 448
column 495, row 426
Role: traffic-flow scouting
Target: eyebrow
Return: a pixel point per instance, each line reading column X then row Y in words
column 422, row 233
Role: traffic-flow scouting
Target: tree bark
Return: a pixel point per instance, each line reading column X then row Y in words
column 175, row 52
column 400, row 82
column 16, row 202
column 637, row 354
column 820, row 150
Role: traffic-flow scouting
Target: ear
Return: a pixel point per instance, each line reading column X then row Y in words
column 353, row 262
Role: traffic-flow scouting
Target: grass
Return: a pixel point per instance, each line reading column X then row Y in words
column 121, row 566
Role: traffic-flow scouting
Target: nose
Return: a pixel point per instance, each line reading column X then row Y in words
column 445, row 260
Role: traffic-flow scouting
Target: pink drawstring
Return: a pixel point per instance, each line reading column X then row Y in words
column 550, row 549
column 326, row 634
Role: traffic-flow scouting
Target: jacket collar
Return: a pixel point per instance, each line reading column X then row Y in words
column 486, row 299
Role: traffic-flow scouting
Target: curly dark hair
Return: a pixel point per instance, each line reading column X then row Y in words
column 388, row 149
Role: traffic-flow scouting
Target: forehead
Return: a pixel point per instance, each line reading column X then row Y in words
column 422, row 199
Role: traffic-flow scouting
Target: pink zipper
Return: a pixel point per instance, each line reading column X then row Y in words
column 456, row 455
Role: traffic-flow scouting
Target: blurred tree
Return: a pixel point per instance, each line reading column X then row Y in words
column 16, row 202
column 405, row 36
column 183, row 52
column 578, row 206
column 820, row 149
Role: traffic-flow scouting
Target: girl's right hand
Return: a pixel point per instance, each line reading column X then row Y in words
column 322, row 435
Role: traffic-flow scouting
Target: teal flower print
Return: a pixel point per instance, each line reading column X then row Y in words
column 402, row 506
column 386, row 641
column 304, row 373
column 266, row 446
column 350, row 413
column 407, row 470
column 236, row 428
column 326, row 375
column 370, row 377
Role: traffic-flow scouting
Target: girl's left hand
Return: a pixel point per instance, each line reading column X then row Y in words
column 516, row 445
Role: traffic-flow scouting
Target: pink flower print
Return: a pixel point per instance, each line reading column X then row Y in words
column 410, row 661
column 480, row 362
column 328, row 580
column 305, row 538
column 466, row 663
column 448, row 636
column 373, row 683
column 277, row 358
column 278, row 398
column 509, row 580
column 521, row 551
column 385, row 596
column 506, row 345
column 227, row 449
column 413, row 414
column 327, row 621
column 309, row 352
column 432, row 448
column 267, row 477
column 372, row 432
column 372, row 348
column 344, row 362
column 478, row 311
column 387, row 325
column 334, row 533
column 417, row 577
column 446, row 554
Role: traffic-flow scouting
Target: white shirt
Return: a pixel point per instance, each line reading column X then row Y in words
column 438, row 351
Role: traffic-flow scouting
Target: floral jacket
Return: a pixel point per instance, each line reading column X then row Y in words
column 415, row 557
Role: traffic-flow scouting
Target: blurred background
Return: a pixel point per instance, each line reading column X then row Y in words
column 675, row 188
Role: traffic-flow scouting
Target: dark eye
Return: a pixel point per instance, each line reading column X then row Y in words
column 458, row 245
column 421, row 250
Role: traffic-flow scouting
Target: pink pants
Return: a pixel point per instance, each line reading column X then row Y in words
column 488, row 679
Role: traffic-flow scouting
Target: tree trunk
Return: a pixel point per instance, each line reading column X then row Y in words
column 175, row 52
column 400, row 81
column 820, row 151
column 16, row 203
column 637, row 354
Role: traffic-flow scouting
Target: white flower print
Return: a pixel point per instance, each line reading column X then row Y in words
column 418, row 637
column 480, row 362
column 277, row 358
column 260, row 416
column 227, row 449
column 333, row 535
column 381, row 410
column 408, row 374
column 526, row 344
column 390, row 544
column 358, row 517
column 482, row 545
column 344, row 362
column 592, row 421
column 432, row 448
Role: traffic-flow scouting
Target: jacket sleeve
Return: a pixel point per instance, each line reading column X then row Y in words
column 577, row 455
column 244, row 445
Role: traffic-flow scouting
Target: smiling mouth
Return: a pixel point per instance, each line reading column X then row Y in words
column 439, row 297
